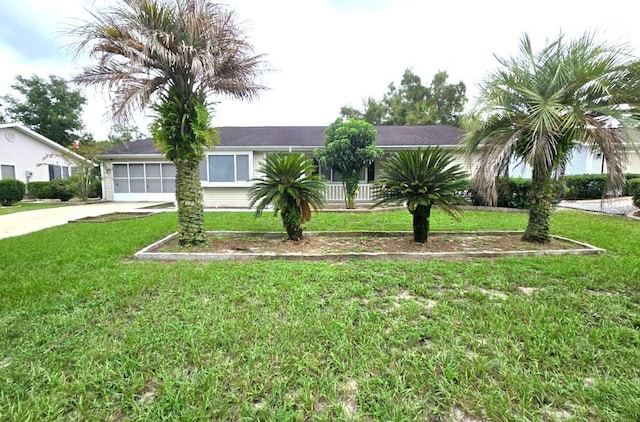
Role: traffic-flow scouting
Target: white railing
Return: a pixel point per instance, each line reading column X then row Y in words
column 335, row 192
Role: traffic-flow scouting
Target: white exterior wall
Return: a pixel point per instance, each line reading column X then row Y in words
column 633, row 165
column 28, row 154
column 107, row 180
column 225, row 197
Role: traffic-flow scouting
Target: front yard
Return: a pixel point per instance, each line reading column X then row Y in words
column 88, row 333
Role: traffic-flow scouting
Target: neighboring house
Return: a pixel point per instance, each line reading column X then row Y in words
column 30, row 157
column 138, row 171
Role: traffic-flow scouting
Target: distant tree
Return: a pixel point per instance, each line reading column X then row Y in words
column 374, row 112
column 51, row 108
column 123, row 133
column 349, row 148
column 421, row 179
column 289, row 185
column 3, row 119
column 412, row 103
column 539, row 106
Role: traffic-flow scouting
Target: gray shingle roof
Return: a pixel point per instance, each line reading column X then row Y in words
column 308, row 136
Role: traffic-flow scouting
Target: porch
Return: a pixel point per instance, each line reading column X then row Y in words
column 335, row 193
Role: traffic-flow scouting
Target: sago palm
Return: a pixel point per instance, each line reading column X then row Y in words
column 290, row 187
column 539, row 106
column 421, row 179
column 173, row 55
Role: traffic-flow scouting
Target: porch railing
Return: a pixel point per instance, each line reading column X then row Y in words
column 335, row 192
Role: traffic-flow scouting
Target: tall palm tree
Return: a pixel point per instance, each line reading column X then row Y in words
column 421, row 179
column 172, row 55
column 539, row 106
column 289, row 185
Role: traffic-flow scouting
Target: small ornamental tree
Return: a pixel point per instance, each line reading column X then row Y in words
column 421, row 179
column 349, row 148
column 289, row 185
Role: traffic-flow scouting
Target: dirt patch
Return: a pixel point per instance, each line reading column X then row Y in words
column 329, row 244
column 361, row 245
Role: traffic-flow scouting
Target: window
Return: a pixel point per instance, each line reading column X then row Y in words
column 59, row 172
column 7, row 172
column 225, row 168
column 367, row 175
column 144, row 178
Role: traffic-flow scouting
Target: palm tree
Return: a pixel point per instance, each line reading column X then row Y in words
column 290, row 187
column 172, row 55
column 421, row 179
column 539, row 106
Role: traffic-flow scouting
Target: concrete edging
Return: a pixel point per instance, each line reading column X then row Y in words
column 148, row 253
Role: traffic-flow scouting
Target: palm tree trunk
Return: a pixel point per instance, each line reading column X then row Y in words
column 421, row 223
column 190, row 204
column 291, row 218
column 540, row 195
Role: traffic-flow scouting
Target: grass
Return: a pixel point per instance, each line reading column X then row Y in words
column 31, row 206
column 87, row 333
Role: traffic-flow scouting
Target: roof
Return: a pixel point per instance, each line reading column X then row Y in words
column 35, row 135
column 308, row 137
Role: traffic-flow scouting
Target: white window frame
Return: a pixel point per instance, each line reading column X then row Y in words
column 365, row 171
column 15, row 170
column 236, row 183
column 144, row 177
column 62, row 171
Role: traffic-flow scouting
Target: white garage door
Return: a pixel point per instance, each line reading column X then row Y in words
column 144, row 182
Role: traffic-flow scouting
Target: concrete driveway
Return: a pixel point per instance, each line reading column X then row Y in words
column 20, row 223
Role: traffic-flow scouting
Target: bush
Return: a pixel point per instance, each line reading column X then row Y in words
column 633, row 186
column 590, row 186
column 514, row 193
column 62, row 189
column 584, row 186
column 41, row 190
column 11, row 191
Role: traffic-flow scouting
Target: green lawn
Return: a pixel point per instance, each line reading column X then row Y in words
column 30, row 206
column 89, row 334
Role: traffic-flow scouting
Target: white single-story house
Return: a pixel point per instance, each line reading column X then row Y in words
column 138, row 171
column 30, row 157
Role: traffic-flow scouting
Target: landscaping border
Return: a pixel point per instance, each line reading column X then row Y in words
column 148, row 253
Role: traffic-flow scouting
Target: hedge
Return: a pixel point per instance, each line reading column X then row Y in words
column 589, row 186
column 633, row 186
column 583, row 186
column 11, row 191
column 41, row 190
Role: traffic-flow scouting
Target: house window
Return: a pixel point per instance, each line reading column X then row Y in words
column 144, row 178
column 59, row 172
column 7, row 172
column 366, row 174
column 225, row 168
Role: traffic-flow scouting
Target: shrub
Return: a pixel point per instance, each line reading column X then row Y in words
column 633, row 186
column 62, row 189
column 514, row 193
column 590, row 186
column 41, row 190
column 11, row 191
column 584, row 186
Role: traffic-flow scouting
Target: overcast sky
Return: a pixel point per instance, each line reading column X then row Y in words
column 328, row 53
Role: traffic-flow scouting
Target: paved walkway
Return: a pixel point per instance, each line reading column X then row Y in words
column 20, row 223
column 613, row 206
